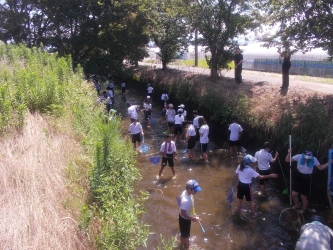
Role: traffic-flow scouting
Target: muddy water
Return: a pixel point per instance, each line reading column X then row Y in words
column 223, row 229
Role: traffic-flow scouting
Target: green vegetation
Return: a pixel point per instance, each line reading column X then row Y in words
column 202, row 63
column 37, row 82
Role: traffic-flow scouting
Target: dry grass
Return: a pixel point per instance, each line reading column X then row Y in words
column 33, row 189
column 267, row 99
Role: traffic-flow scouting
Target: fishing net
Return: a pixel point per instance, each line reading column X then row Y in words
column 230, row 195
column 155, row 159
column 184, row 150
column 291, row 219
column 153, row 120
column 144, row 148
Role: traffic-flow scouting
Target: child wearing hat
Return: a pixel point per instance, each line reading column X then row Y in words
column 301, row 181
column 245, row 173
column 187, row 213
column 147, row 106
column 170, row 117
column 168, row 151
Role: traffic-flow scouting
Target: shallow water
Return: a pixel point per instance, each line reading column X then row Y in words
column 223, row 229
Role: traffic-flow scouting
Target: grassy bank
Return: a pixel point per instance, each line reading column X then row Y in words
column 67, row 174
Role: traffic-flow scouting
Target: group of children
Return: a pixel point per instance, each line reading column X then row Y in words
column 107, row 96
column 196, row 134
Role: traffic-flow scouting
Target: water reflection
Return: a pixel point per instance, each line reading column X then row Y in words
column 224, row 230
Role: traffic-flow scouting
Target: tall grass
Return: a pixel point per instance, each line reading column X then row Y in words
column 67, row 176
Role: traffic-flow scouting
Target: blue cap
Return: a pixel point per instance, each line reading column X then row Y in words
column 308, row 154
column 194, row 185
column 249, row 159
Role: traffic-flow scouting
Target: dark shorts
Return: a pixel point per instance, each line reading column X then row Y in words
column 203, row 147
column 191, row 142
column 244, row 189
column 197, row 136
column 123, row 89
column 168, row 160
column 184, row 226
column 147, row 114
column 136, row 138
column 171, row 124
column 264, row 172
column 234, row 143
column 178, row 129
column 301, row 183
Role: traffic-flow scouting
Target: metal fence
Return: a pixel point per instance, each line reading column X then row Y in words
column 310, row 64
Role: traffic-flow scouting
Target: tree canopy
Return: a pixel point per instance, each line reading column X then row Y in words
column 98, row 34
column 300, row 25
column 169, row 29
column 220, row 22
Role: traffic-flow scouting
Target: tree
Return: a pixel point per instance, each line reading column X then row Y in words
column 219, row 22
column 169, row 29
column 99, row 35
column 300, row 25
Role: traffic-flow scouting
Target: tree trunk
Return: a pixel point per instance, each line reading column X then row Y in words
column 213, row 73
column 164, row 64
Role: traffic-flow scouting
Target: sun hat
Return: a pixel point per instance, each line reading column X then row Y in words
column 308, row 154
column 181, row 106
column 194, row 185
column 148, row 97
column 249, row 159
column 171, row 105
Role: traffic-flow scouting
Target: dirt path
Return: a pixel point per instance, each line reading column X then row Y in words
column 257, row 76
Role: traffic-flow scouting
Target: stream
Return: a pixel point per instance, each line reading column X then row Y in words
column 223, row 229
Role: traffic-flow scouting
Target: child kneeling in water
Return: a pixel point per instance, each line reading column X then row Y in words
column 245, row 173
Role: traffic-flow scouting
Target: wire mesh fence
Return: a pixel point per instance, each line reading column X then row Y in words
column 309, row 64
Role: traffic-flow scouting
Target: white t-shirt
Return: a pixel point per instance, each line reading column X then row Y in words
column 304, row 169
column 196, row 121
column 264, row 158
column 204, row 130
column 110, row 93
column 132, row 111
column 184, row 113
column 235, row 129
column 150, row 90
column 170, row 113
column 111, row 85
column 164, row 97
column 187, row 204
column 135, row 128
column 147, row 106
column 314, row 236
column 246, row 175
column 173, row 147
column 179, row 119
column 123, row 85
column 191, row 130
column 108, row 100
